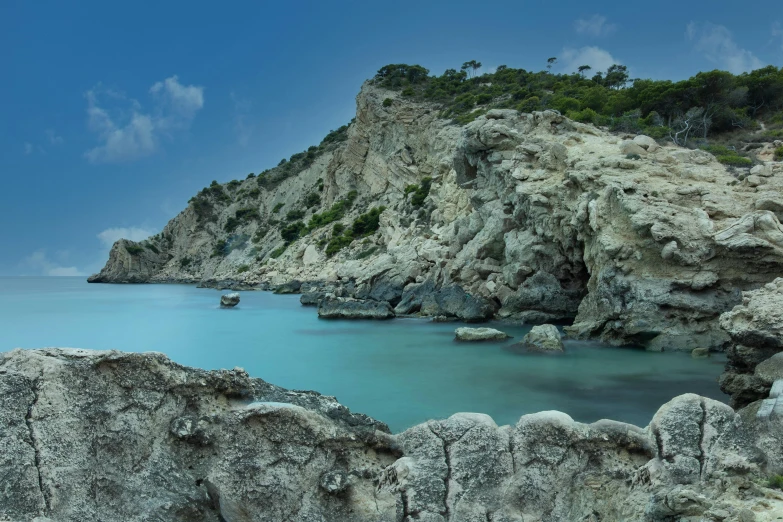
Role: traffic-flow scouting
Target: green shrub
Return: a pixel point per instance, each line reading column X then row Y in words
column 735, row 160
column 338, row 229
column 251, row 176
column 367, row 223
column 220, row 249
column 336, row 244
column 421, row 192
column 292, row 232
column 254, row 193
column 152, row 248
column 233, row 184
column 387, row 102
column 134, row 250
column 246, row 214
column 277, row 208
column 278, row 252
column 293, row 215
column 242, row 269
column 231, row 224
column 312, row 199
column 779, row 154
column 184, row 262
column 776, row 482
column 366, row 253
column 336, row 212
column 260, row 234
column 408, row 91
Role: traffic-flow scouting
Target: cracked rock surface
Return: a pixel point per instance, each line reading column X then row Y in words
column 112, row 436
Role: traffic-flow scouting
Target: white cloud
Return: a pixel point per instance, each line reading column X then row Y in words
column 109, row 236
column 42, row 265
column 128, row 133
column 54, row 139
column 716, row 44
column 777, row 33
column 597, row 58
column 28, row 148
column 594, row 26
column 242, row 126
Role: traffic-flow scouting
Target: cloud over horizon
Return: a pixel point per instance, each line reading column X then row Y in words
column 126, row 133
column 40, row 262
column 599, row 59
column 594, row 26
column 717, row 45
column 109, row 236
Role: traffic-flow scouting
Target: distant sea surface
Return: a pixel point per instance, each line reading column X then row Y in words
column 402, row 371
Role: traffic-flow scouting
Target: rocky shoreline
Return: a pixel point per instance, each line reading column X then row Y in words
column 529, row 217
column 113, row 436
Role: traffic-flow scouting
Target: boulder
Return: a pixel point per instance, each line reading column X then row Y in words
column 453, row 301
column 349, row 308
column 700, row 353
column 229, row 300
column 629, row 147
column 311, row 298
column 291, row 287
column 755, row 354
column 480, row 334
column 543, row 338
column 646, row 142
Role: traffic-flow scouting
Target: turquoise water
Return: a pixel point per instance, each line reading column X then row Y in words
column 402, row 371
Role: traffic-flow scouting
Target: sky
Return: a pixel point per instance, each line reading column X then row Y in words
column 112, row 115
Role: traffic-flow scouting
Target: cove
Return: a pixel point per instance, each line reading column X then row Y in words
column 402, row 371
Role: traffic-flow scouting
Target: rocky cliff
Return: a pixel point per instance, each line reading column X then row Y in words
column 112, row 436
column 537, row 217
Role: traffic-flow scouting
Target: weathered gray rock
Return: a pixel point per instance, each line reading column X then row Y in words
column 537, row 217
column 480, row 334
column 756, row 331
column 291, row 287
column 229, row 300
column 349, row 308
column 453, row 301
column 311, row 298
column 543, row 338
column 115, row 437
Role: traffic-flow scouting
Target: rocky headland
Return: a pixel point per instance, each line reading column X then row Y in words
column 526, row 216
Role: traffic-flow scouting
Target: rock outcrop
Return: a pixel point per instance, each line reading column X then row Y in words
column 542, row 338
column 480, row 334
column 229, row 300
column 349, row 308
column 121, row 436
column 755, row 358
column 532, row 217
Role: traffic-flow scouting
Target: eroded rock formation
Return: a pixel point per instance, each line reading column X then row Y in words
column 531, row 216
column 117, row 436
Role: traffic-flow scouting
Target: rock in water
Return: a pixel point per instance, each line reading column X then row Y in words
column 700, row 353
column 348, row 308
column 229, row 300
column 112, row 436
column 480, row 334
column 543, row 338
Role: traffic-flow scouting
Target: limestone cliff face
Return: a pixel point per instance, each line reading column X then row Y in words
column 117, row 437
column 540, row 217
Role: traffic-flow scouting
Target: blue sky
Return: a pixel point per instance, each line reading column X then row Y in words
column 114, row 114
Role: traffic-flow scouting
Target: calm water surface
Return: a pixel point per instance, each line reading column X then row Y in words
column 402, row 371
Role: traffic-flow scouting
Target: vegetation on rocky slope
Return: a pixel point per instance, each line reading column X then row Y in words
column 704, row 105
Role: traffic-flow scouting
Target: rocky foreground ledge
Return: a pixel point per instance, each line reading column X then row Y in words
column 111, row 436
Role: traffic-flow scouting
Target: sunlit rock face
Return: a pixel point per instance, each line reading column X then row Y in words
column 534, row 216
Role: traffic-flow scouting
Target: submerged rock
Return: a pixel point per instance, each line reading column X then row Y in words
column 700, row 353
column 229, row 300
column 291, row 287
column 114, row 436
column 480, row 334
column 543, row 338
column 349, row 308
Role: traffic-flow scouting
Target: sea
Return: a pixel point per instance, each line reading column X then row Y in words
column 402, row 371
